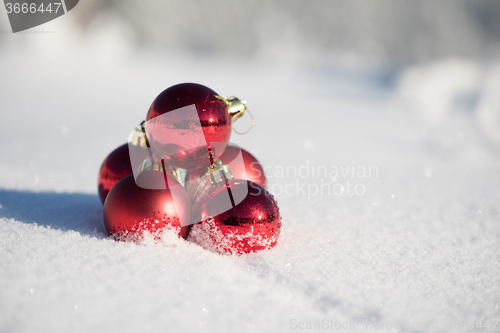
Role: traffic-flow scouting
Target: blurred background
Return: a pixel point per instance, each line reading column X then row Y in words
column 389, row 32
column 422, row 75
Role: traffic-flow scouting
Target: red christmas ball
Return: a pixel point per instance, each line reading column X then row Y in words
column 130, row 210
column 183, row 120
column 116, row 166
column 252, row 224
column 248, row 168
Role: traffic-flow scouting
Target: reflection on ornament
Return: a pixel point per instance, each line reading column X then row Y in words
column 130, row 210
column 252, row 225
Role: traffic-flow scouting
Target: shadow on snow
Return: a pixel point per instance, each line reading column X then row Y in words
column 65, row 211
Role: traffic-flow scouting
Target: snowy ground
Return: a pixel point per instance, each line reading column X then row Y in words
column 415, row 243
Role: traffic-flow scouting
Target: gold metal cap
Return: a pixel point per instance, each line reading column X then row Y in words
column 140, row 138
column 236, row 107
column 220, row 173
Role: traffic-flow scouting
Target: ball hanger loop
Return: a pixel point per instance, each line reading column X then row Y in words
column 236, row 109
column 248, row 130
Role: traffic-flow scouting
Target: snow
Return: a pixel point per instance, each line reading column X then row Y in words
column 210, row 236
column 409, row 238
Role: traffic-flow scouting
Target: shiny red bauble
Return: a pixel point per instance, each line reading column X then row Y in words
column 247, row 167
column 183, row 120
column 116, row 166
column 130, row 210
column 252, row 224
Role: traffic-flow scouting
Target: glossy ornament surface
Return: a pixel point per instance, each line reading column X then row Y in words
column 130, row 210
column 183, row 120
column 116, row 166
column 251, row 169
column 252, row 225
column 247, row 168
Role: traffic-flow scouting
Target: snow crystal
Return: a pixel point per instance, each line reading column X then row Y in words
column 210, row 236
